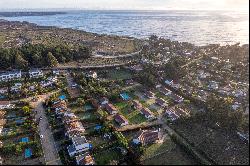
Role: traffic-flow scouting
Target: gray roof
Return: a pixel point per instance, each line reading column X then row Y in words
column 35, row 70
column 10, row 72
column 79, row 140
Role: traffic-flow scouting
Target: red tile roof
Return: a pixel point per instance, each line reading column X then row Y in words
column 146, row 112
column 120, row 119
column 110, row 108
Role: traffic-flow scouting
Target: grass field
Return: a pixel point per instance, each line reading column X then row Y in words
column 158, row 148
column 133, row 116
column 174, row 156
column 2, row 39
column 104, row 158
column 119, row 75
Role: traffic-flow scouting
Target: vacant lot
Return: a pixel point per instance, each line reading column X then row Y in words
column 174, row 156
column 220, row 146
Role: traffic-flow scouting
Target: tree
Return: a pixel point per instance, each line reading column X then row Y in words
column 36, row 60
column 80, row 101
column 26, row 110
column 20, row 62
column 122, row 141
column 52, row 61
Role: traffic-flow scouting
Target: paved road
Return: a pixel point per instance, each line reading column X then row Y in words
column 118, row 56
column 48, row 143
column 139, row 126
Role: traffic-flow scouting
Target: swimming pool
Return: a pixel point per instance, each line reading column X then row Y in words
column 125, row 96
column 27, row 153
column 62, row 97
column 88, row 107
column 25, row 139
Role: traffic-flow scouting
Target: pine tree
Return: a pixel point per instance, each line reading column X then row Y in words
column 52, row 61
column 20, row 62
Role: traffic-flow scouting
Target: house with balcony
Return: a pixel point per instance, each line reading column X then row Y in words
column 11, row 75
column 147, row 113
column 85, row 159
column 146, row 137
column 121, row 120
column 35, row 73
column 79, row 145
column 110, row 108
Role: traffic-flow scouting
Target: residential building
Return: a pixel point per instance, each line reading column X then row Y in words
column 35, row 73
column 129, row 82
column 170, row 114
column 5, row 105
column 180, row 112
column 136, row 104
column 73, row 127
column 149, row 94
column 161, row 102
column 165, row 91
column 147, row 113
column 213, row 85
column 91, row 74
column 16, row 88
column 4, row 90
column 169, row 82
column 177, row 98
column 10, row 75
column 146, row 137
column 136, row 68
column 110, row 108
column 79, row 145
column 84, row 159
column 55, row 72
column 104, row 100
column 121, row 120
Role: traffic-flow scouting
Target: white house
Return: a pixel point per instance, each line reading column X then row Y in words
column 10, row 75
column 4, row 90
column 104, row 100
column 165, row 91
column 169, row 82
column 16, row 88
column 79, row 145
column 35, row 73
column 56, row 72
column 213, row 85
column 5, row 105
column 45, row 84
column 91, row 74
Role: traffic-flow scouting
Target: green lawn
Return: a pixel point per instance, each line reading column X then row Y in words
column 97, row 141
column 104, row 158
column 121, row 105
column 86, row 115
column 119, row 75
column 133, row 116
column 157, row 148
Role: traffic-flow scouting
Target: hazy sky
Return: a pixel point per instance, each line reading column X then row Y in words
column 128, row 4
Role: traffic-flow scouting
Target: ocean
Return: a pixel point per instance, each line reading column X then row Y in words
column 197, row 27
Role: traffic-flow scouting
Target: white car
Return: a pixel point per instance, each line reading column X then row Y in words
column 41, row 136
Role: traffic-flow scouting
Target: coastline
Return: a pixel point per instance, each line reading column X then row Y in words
column 194, row 31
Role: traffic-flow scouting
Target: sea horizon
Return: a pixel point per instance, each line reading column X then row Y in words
column 199, row 27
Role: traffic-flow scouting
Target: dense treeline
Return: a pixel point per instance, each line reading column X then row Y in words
column 40, row 56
